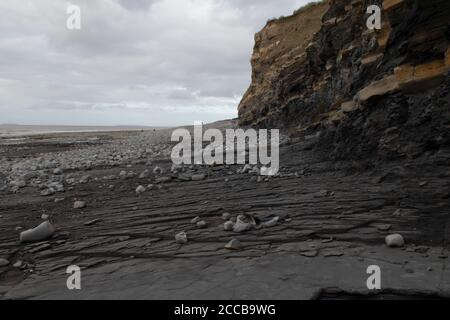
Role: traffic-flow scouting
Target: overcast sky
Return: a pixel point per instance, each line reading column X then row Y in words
column 134, row 62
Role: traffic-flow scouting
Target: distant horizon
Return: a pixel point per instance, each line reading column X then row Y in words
column 77, row 125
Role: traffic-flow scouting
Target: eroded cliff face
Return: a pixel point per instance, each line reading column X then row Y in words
column 279, row 47
column 363, row 91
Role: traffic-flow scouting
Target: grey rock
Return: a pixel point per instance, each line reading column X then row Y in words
column 202, row 224
column 85, row 179
column 18, row 264
column 79, row 204
column 198, row 177
column 3, row 262
column 241, row 225
column 322, row 193
column 384, row 227
column 42, row 232
column 233, row 244
column 195, row 220
column 309, row 254
column 228, row 226
column 140, row 189
column 246, row 168
column 394, row 241
column 48, row 192
column 18, row 183
column 226, row 216
column 271, row 223
column 163, row 179
column 92, row 222
column 58, row 187
column 144, row 174
column 333, row 253
column 181, row 238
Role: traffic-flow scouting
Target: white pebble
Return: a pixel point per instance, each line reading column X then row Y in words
column 394, row 241
column 181, row 238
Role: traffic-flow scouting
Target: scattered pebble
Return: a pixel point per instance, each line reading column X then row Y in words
column 309, row 254
column 42, row 232
column 226, row 216
column 241, row 225
column 140, row 189
column 3, row 262
column 228, row 226
column 234, row 244
column 18, row 264
column 92, row 222
column 163, row 179
column 331, row 239
column 394, row 241
column 384, row 227
column 144, row 174
column 198, row 177
column 45, row 216
column 181, row 238
column 202, row 224
column 322, row 193
column 48, row 192
column 272, row 223
column 195, row 220
column 85, row 179
column 79, row 204
column 333, row 253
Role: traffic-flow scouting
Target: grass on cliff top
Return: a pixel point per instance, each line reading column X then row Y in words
column 298, row 11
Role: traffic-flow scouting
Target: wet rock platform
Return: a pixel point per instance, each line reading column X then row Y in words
column 333, row 220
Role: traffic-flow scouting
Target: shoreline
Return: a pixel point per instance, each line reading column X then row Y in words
column 31, row 130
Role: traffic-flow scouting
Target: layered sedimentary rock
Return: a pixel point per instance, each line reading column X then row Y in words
column 279, row 49
column 383, row 91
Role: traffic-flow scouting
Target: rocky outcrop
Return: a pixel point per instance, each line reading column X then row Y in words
column 354, row 84
column 279, row 48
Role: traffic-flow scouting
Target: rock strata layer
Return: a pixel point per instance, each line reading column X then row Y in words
column 352, row 84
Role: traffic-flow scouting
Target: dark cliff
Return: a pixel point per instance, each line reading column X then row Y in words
column 359, row 91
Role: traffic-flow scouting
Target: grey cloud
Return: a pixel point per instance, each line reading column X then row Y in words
column 133, row 62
